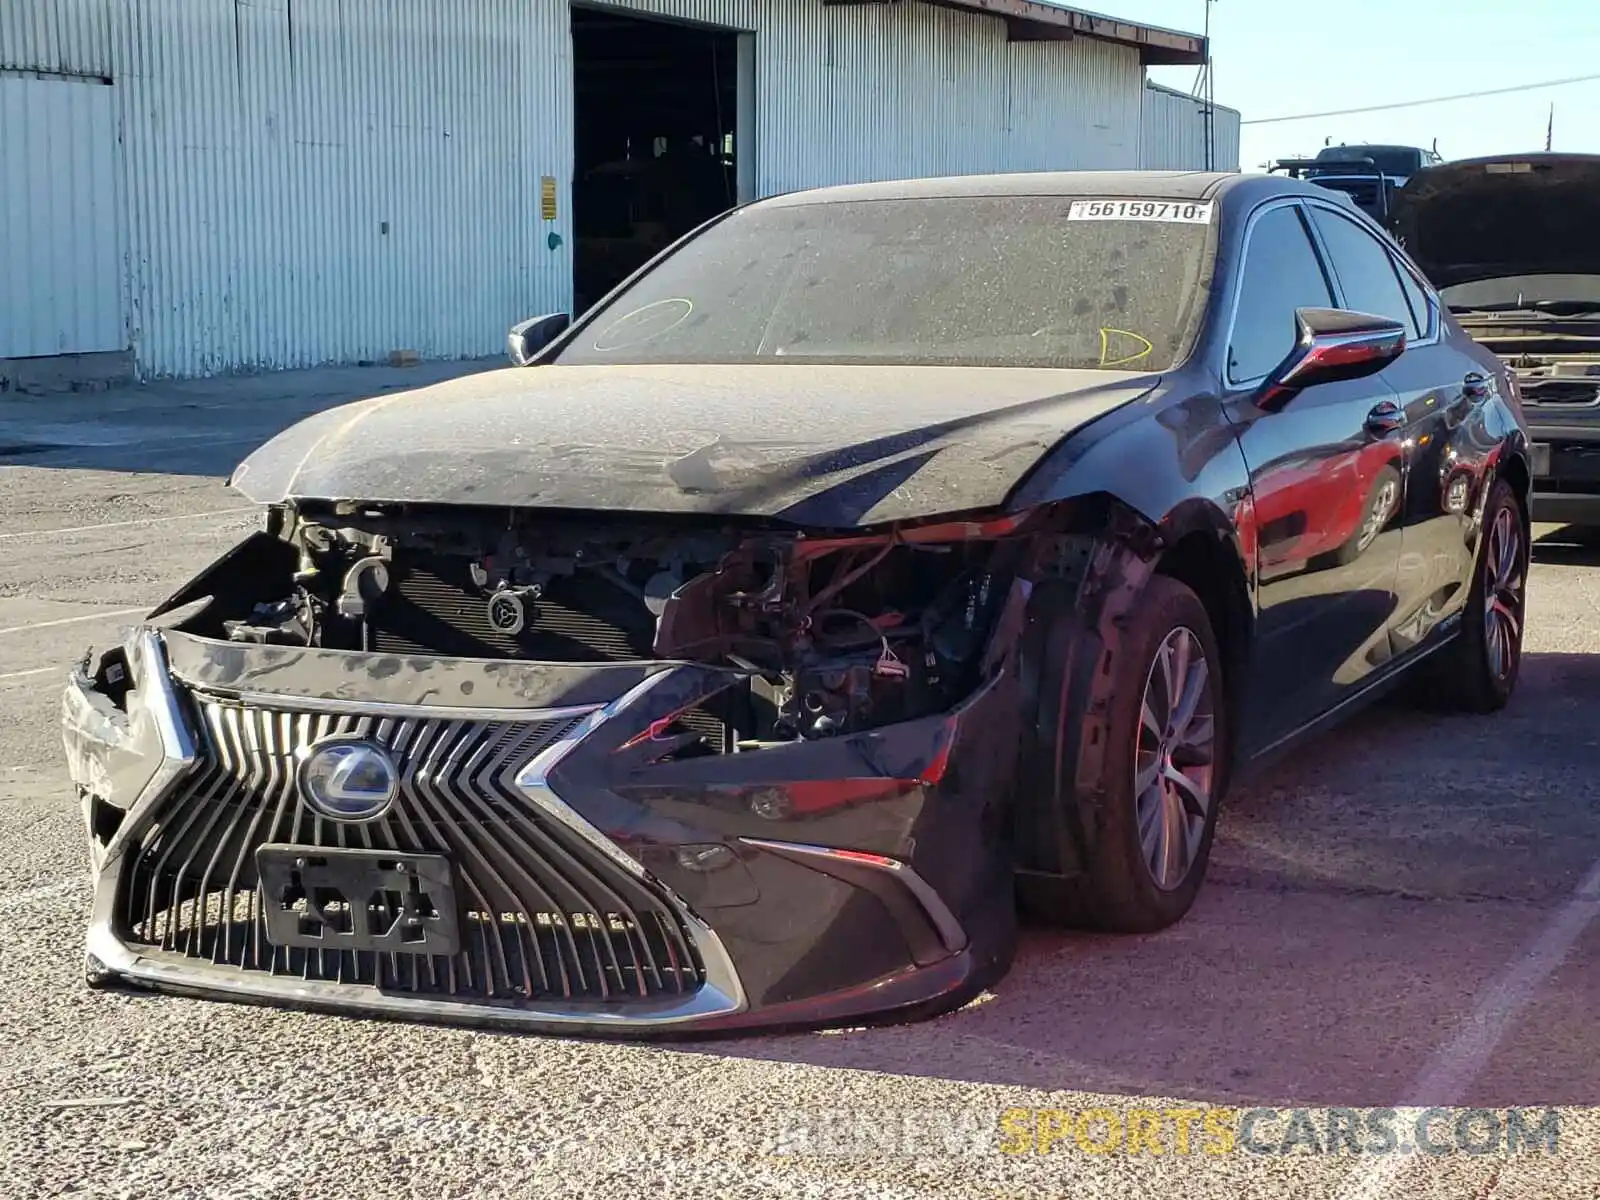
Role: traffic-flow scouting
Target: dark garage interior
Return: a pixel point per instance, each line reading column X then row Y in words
column 654, row 110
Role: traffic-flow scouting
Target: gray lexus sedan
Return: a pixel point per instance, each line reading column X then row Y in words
column 875, row 562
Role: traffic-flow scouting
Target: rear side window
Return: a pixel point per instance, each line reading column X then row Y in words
column 1366, row 273
column 1281, row 274
column 1420, row 306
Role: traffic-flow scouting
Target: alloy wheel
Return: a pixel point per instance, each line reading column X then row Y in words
column 1174, row 763
column 1503, row 582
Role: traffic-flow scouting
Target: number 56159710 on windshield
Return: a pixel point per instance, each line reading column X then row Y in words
column 1140, row 210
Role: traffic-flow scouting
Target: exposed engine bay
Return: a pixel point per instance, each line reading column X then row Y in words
column 821, row 635
column 1555, row 361
column 1556, row 378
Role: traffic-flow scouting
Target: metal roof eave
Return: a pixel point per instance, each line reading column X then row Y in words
column 1035, row 21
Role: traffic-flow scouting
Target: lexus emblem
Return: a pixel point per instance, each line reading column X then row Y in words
column 347, row 779
column 507, row 613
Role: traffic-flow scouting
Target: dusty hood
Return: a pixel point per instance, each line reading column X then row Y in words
column 1492, row 218
column 818, row 445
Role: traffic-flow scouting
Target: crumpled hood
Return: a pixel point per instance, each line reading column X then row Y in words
column 1492, row 218
column 817, row 445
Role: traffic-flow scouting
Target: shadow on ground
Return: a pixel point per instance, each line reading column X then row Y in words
column 1570, row 545
column 191, row 427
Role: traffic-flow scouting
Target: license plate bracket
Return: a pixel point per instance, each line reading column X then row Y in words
column 1539, row 459
column 321, row 898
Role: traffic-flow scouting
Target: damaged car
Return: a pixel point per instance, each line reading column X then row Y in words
column 875, row 563
column 1511, row 244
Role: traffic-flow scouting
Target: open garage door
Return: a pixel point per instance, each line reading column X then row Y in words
column 656, row 107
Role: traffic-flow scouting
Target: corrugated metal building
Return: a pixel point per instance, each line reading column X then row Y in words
column 1174, row 132
column 217, row 185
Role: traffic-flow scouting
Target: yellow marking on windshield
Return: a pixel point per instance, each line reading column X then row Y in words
column 1105, row 348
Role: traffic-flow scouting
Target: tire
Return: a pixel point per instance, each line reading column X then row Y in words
column 1383, row 501
column 1120, row 890
column 1477, row 672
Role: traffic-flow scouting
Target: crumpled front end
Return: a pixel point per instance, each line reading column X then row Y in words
column 287, row 810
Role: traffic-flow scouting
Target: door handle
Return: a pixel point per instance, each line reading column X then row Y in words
column 1475, row 385
column 1386, row 416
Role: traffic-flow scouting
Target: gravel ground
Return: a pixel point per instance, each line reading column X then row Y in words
column 1404, row 915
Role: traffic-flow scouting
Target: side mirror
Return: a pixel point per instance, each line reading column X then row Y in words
column 526, row 340
column 1334, row 345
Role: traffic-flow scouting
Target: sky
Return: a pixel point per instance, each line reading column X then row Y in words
column 1275, row 58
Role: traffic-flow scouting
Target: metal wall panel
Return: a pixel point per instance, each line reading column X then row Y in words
column 1075, row 106
column 1226, row 139
column 328, row 182
column 333, row 182
column 60, row 219
column 867, row 92
column 67, row 37
column 1173, row 133
column 746, row 15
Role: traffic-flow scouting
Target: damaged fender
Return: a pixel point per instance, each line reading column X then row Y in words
column 1064, row 681
column 1190, row 515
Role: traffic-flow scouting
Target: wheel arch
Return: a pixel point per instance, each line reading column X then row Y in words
column 1210, row 565
column 1514, row 469
column 1076, row 630
column 1080, row 630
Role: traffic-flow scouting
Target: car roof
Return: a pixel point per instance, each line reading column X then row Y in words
column 1156, row 185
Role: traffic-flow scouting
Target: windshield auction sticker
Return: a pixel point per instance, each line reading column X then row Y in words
column 1180, row 212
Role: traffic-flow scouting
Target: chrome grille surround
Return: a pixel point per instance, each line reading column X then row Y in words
column 562, row 927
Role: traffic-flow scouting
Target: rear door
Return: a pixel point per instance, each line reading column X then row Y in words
column 1435, row 384
column 1326, row 571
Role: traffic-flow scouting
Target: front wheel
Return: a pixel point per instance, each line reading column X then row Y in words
column 1162, row 772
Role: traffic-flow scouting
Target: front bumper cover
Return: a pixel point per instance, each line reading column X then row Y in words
column 1566, row 467
column 860, row 878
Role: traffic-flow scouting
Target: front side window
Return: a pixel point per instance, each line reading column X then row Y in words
column 955, row 280
column 1281, row 275
column 1367, row 274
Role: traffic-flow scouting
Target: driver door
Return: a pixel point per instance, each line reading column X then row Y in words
column 1328, row 558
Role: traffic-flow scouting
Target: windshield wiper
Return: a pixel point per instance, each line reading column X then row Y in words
column 1537, row 308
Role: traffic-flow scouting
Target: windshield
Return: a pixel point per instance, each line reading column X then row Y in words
column 1557, row 295
column 970, row 281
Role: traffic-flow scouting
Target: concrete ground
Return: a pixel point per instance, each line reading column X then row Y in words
column 1402, row 916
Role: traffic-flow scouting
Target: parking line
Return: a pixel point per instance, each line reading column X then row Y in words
column 30, row 674
column 101, row 616
column 220, row 512
column 1453, row 1068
